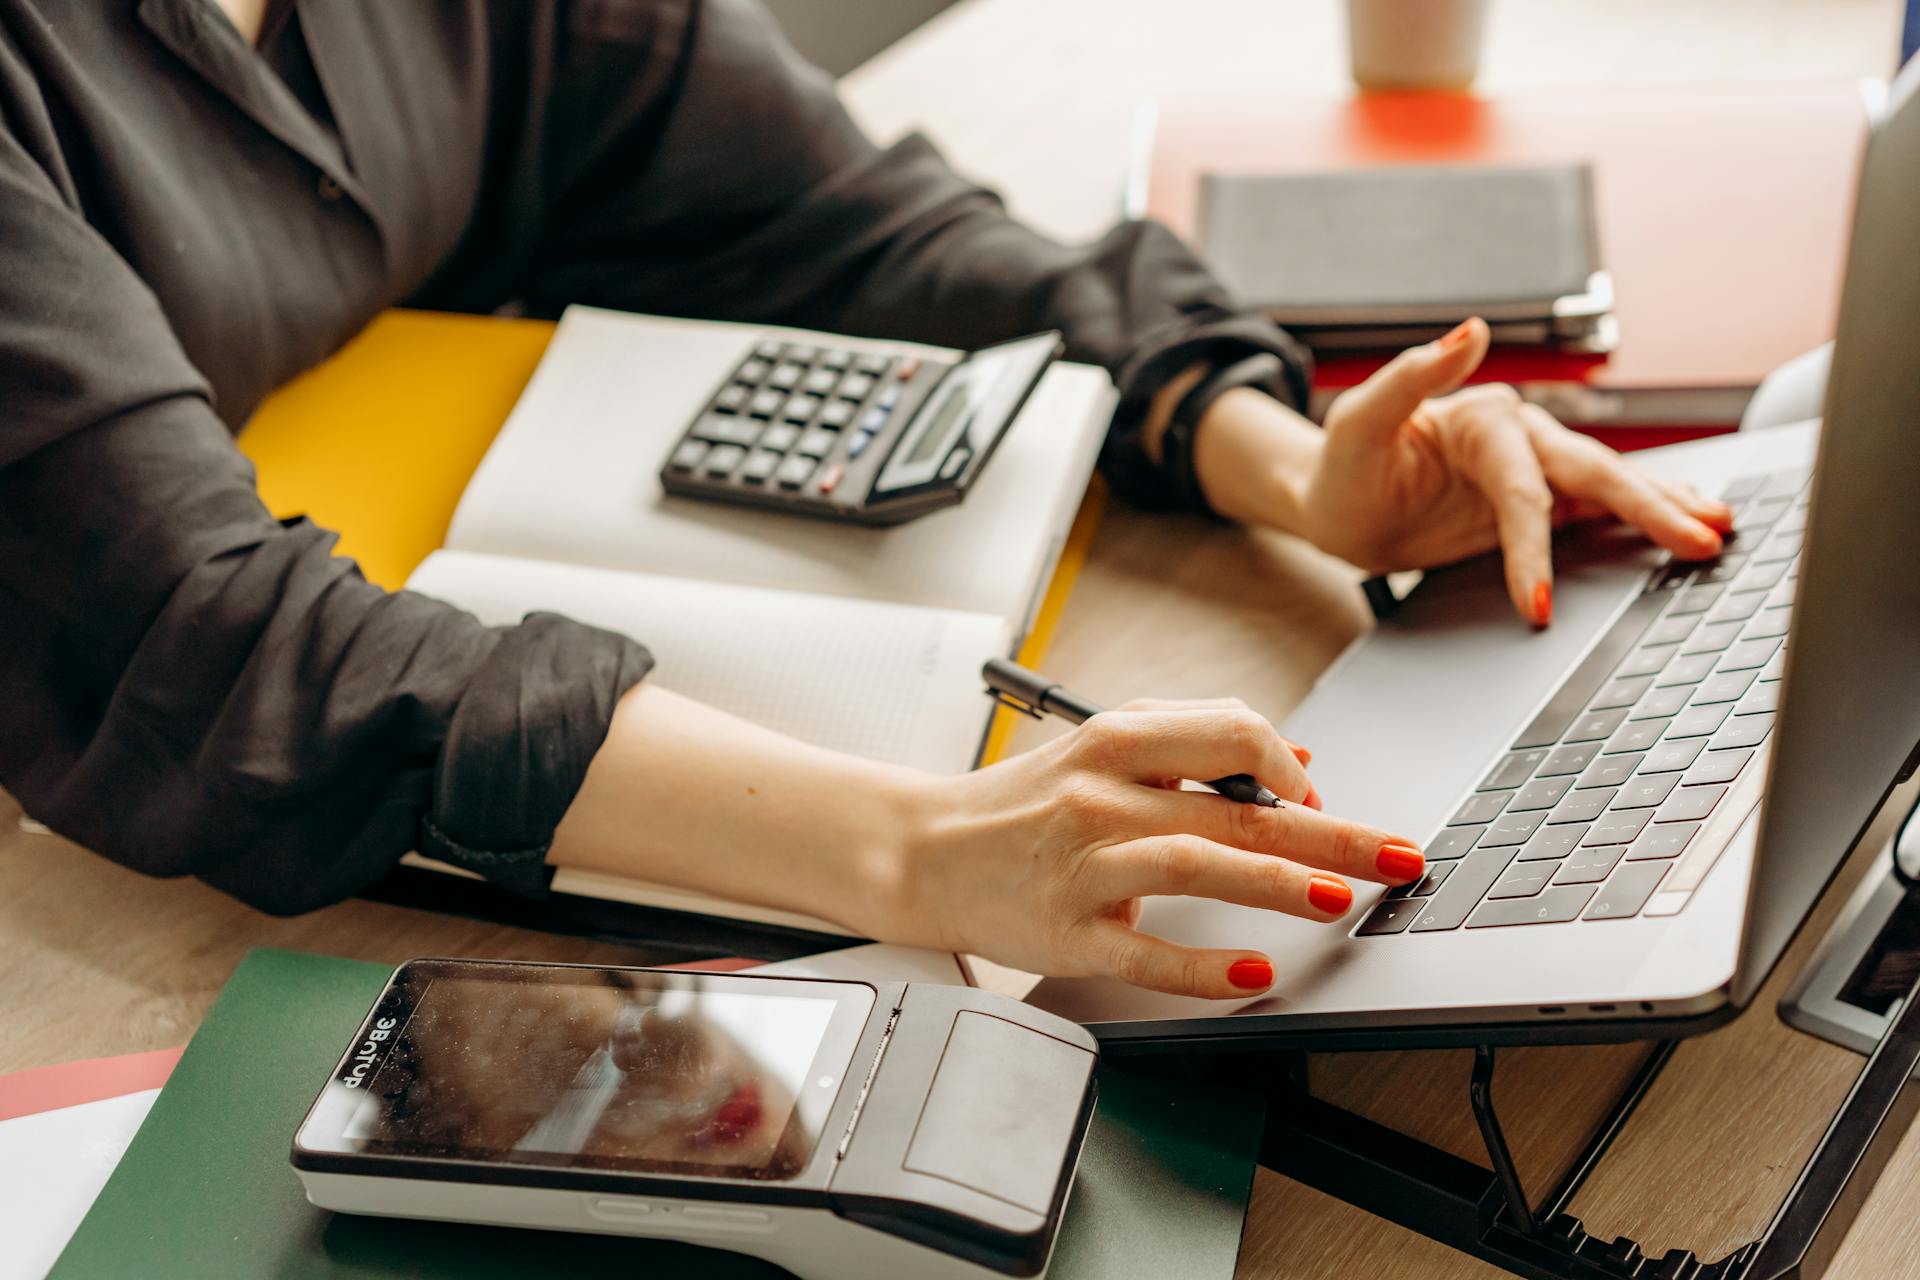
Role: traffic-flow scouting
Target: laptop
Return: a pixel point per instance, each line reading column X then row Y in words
column 1627, row 815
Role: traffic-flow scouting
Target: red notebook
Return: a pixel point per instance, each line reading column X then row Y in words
column 1723, row 217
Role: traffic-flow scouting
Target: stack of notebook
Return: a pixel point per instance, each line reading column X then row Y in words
column 1383, row 258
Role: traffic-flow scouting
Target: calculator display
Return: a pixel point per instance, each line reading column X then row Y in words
column 952, row 404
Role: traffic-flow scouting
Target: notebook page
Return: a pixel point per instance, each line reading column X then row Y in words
column 574, row 477
column 890, row 682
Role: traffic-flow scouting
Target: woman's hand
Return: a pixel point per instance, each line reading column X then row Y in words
column 1412, row 472
column 1041, row 862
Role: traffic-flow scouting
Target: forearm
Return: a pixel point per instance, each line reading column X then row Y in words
column 685, row 795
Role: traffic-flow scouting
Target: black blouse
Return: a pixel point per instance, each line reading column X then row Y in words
column 190, row 687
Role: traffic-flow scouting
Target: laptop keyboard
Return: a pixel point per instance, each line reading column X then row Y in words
column 1618, row 797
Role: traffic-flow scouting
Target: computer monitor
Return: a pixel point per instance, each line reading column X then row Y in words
column 1849, row 725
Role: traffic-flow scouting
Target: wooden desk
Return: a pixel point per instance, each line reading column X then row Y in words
column 96, row 960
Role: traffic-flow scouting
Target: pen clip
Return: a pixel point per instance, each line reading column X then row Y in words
column 1012, row 703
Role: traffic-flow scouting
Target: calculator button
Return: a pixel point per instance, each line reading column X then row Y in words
column 872, row 420
column 820, row 381
column 766, row 351
column 725, row 428
column 759, row 465
column 836, row 358
column 889, row 396
column 858, row 445
column 908, row 366
column 723, row 459
column 780, row 437
column 794, row 471
column 754, row 370
column 856, row 386
column 765, row 403
column 817, row 443
column 688, row 455
column 732, row 399
column 873, row 365
column 801, row 408
column 804, row 355
column 831, row 477
column 837, row 414
column 786, row 377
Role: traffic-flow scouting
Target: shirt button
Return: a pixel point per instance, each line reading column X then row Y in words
column 329, row 189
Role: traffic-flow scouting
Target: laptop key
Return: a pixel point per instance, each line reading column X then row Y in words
column 1582, row 806
column 1569, row 759
column 1776, row 666
column 1551, row 843
column 1541, row 793
column 1512, row 828
column 1664, row 841
column 1391, row 915
column 1637, row 735
column 1671, row 630
column 1484, row 806
column 1476, row 873
column 1646, row 661
column 1725, row 569
column 1663, row 702
column 1452, row 843
column 1768, row 623
column 1621, row 693
column 1713, row 636
column 1765, row 697
column 1698, row 599
column 1736, row 607
column 1718, row 766
column 1595, row 725
column 1589, row 866
column 1690, row 669
column 1523, row 880
column 1745, row 731
column 1689, row 804
column 1617, row 828
column 1646, row 793
column 1626, row 891
column 1698, row 722
column 1744, row 487
column 1673, row 757
column 1555, row 906
column 1725, row 687
column 1610, row 771
column 1514, row 770
column 1428, row 884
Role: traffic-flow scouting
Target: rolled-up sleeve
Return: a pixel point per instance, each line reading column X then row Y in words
column 728, row 182
column 191, row 687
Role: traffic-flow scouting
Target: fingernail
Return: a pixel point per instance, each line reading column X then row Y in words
column 1300, row 753
column 1313, row 798
column 1542, row 603
column 1250, row 975
column 1401, row 862
column 1330, row 896
column 1711, row 545
column 1719, row 517
column 1457, row 335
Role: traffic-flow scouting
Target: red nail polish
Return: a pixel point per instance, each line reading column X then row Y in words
column 1300, row 753
column 1330, row 896
column 1542, row 603
column 1719, row 519
column 1313, row 798
column 1457, row 335
column 1400, row 862
column 1251, row 975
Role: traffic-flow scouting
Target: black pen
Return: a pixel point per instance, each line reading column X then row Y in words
column 1030, row 692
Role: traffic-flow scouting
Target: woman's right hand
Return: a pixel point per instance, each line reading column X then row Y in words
column 1040, row 862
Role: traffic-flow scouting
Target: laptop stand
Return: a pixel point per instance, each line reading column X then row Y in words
column 1485, row 1212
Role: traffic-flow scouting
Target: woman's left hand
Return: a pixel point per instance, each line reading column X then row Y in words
column 1412, row 472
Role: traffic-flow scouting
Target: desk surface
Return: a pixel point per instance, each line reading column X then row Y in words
column 98, row 960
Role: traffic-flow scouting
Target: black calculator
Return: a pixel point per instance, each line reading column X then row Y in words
column 852, row 435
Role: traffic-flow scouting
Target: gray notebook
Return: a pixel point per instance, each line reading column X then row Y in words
column 1393, row 248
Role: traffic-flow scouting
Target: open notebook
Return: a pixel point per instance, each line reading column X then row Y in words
column 864, row 640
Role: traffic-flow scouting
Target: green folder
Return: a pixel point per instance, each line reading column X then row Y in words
column 206, row 1191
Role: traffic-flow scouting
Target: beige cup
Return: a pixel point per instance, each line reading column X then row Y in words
column 1415, row 44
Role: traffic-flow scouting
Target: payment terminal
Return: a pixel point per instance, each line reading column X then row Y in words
column 837, row 1129
column 859, row 437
